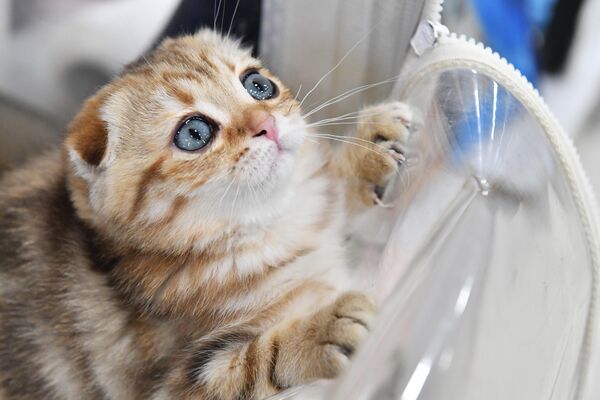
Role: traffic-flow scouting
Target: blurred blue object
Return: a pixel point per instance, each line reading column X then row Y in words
column 540, row 11
column 510, row 28
column 477, row 119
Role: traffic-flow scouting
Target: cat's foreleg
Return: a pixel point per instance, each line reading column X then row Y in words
column 240, row 363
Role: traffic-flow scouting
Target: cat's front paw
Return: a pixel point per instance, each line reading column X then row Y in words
column 336, row 331
column 383, row 131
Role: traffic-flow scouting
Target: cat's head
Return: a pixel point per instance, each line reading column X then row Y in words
column 196, row 133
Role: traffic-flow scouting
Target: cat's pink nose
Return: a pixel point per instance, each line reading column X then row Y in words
column 267, row 128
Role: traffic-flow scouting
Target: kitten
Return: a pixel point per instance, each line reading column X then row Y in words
column 187, row 242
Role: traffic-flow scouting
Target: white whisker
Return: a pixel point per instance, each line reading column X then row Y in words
column 298, row 92
column 337, row 65
column 212, row 197
column 224, row 194
column 355, row 115
column 342, row 117
column 229, row 228
column 347, row 140
column 233, row 18
column 255, row 197
column 295, row 98
column 370, row 142
column 218, row 177
column 216, row 15
column 346, row 123
column 348, row 93
column 223, row 17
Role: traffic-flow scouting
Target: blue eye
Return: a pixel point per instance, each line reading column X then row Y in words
column 193, row 134
column 259, row 86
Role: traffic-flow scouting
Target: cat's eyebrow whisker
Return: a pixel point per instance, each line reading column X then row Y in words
column 295, row 98
column 338, row 64
column 217, row 9
column 152, row 68
column 359, row 41
column 349, row 93
column 223, row 16
column 352, row 92
column 233, row 18
column 298, row 92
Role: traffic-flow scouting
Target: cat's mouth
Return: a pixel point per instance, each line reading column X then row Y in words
column 276, row 142
column 274, row 146
column 279, row 155
column 280, row 167
column 271, row 131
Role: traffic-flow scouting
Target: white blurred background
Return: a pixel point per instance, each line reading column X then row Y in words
column 53, row 54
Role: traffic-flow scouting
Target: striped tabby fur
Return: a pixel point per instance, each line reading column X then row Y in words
column 130, row 269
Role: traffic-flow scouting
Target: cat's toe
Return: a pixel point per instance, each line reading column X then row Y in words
column 377, row 197
column 343, row 327
column 350, row 320
column 402, row 113
column 392, row 121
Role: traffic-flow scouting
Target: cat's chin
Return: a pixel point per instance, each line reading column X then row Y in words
column 277, row 175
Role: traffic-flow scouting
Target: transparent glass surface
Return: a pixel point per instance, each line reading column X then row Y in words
column 486, row 274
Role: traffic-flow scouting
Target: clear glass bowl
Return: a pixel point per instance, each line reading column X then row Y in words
column 486, row 274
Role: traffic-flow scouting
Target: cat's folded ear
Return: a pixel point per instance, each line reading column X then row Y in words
column 87, row 139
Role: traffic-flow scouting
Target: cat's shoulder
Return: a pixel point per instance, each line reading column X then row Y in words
column 37, row 177
column 34, row 202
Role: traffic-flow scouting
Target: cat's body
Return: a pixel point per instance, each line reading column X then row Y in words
column 131, row 269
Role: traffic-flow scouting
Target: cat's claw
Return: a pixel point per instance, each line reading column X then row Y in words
column 388, row 126
column 397, row 154
column 377, row 200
